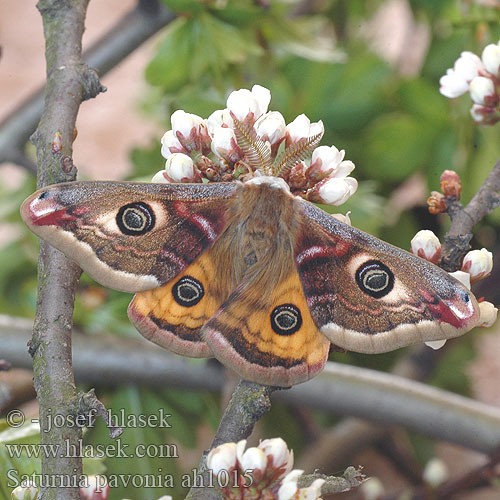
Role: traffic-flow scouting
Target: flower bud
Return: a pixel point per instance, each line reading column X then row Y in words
column 464, row 278
column 343, row 218
column 478, row 263
column 278, row 454
column 437, row 203
column 27, row 490
column 271, row 127
column 426, row 244
column 249, row 106
column 219, row 118
column 372, row 489
column 302, row 128
column 170, row 144
column 160, row 177
column 222, row 458
column 333, row 191
column 491, row 59
column 451, row 184
column 452, row 85
column 483, row 91
column 289, row 487
column 435, row 472
column 180, row 168
column 484, row 115
column 312, row 492
column 487, row 314
column 327, row 162
column 224, row 145
column 253, row 459
column 97, row 489
column 468, row 66
column 191, row 131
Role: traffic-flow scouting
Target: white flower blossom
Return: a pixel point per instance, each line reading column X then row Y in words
column 271, row 127
column 224, row 144
column 478, row 263
column 190, row 130
column 426, row 244
column 170, row 144
column 302, row 128
column 280, row 455
column 336, row 191
column 372, row 489
column 219, row 118
column 464, row 278
column 25, row 491
column 222, row 458
column 453, row 85
column 487, row 314
column 482, row 91
column 180, row 168
column 491, row 59
column 249, row 105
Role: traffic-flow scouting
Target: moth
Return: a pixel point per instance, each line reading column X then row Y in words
column 248, row 273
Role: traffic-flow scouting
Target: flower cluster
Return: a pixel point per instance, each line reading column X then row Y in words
column 476, row 265
column 263, row 472
column 245, row 140
column 479, row 77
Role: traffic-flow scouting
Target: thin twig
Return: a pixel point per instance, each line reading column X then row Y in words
column 463, row 220
column 248, row 404
column 69, row 82
column 339, row 389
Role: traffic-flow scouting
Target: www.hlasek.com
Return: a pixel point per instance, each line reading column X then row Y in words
column 222, row 479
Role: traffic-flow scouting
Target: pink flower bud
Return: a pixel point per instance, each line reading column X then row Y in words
column 97, row 488
column 224, row 145
column 170, row 144
column 302, row 128
column 249, row 106
column 180, row 168
column 278, row 454
column 491, row 59
column 333, row 191
column 426, row 245
column 484, row 115
column 483, row 91
column 478, row 263
column 222, row 458
column 487, row 314
column 191, row 131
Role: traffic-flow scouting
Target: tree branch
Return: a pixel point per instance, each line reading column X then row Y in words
column 129, row 32
column 69, row 82
column 463, row 220
column 339, row 389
